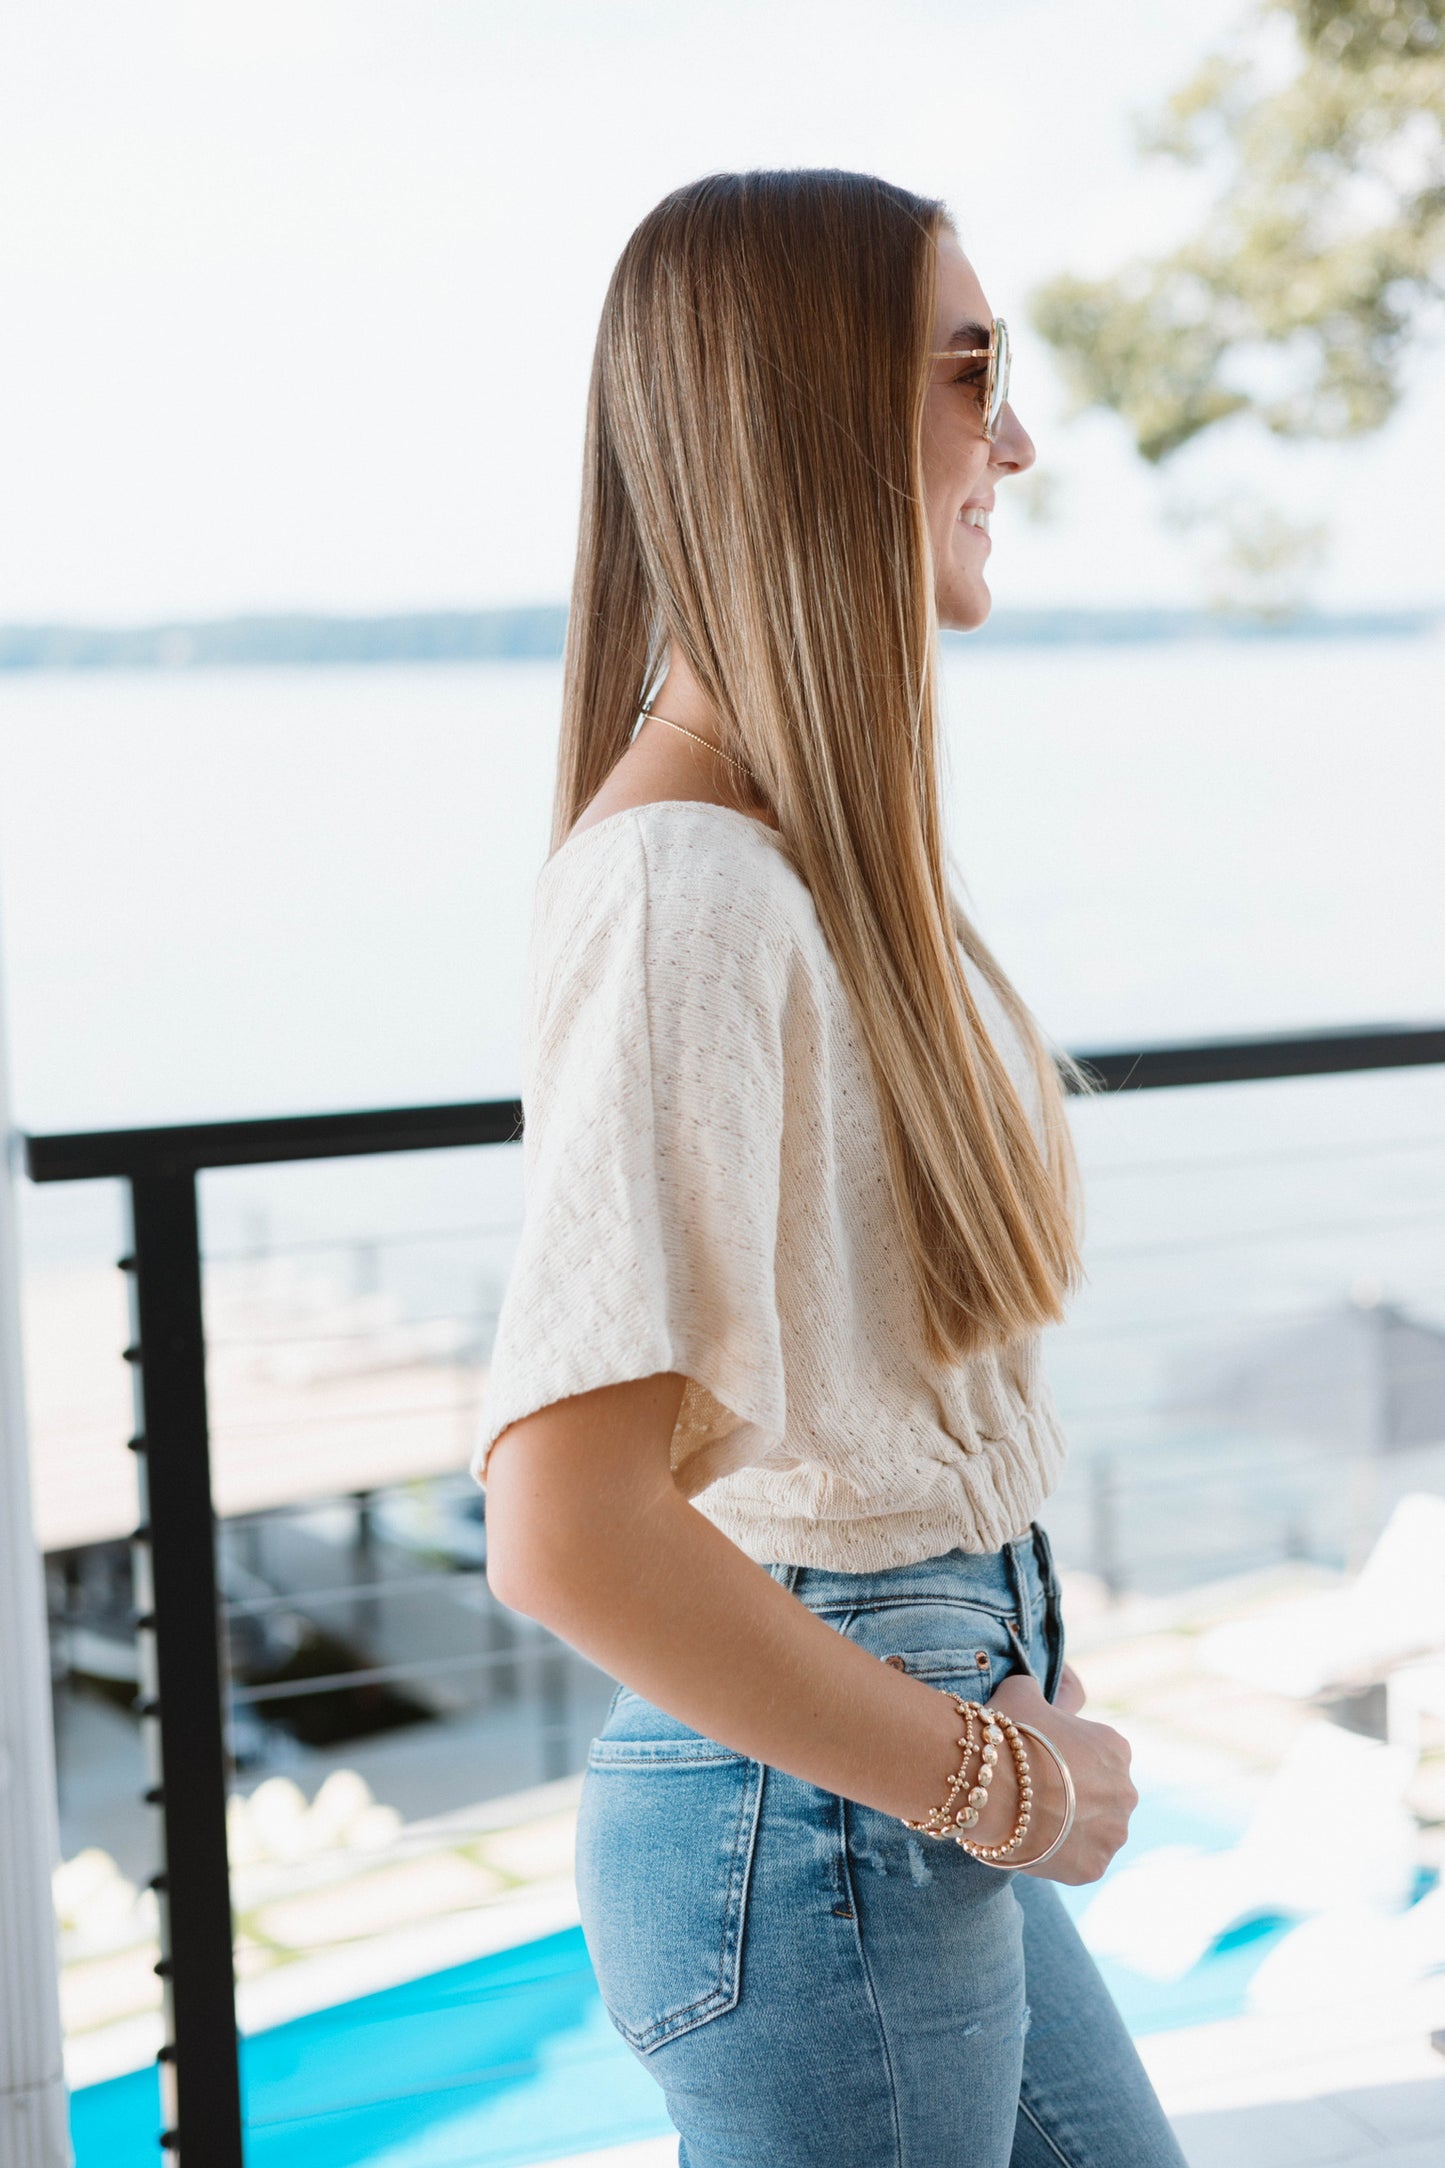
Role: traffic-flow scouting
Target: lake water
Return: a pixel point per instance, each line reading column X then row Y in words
column 245, row 892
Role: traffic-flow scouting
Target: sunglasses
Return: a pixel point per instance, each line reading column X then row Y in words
column 995, row 386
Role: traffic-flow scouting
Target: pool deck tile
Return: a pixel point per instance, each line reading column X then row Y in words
column 1281, row 2134
column 1399, row 2114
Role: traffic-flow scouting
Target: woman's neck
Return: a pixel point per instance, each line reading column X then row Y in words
column 676, row 755
column 682, row 700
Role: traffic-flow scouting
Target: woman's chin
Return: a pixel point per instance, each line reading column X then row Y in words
column 966, row 605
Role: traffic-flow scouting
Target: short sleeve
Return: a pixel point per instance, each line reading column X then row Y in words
column 653, row 1100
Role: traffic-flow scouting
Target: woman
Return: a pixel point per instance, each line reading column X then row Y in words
column 766, row 1430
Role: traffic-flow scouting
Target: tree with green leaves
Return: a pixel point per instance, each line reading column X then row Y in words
column 1320, row 256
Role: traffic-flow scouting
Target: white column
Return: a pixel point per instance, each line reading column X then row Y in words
column 34, row 2129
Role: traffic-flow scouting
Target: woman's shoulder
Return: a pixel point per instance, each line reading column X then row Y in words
column 678, row 867
column 688, row 912
column 668, row 832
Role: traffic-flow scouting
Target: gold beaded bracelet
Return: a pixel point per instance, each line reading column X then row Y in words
column 997, row 1727
column 939, row 1821
column 994, row 1729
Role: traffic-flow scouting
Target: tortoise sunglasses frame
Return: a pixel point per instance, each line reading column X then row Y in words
column 995, row 388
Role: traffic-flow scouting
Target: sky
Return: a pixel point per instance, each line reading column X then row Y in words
column 300, row 294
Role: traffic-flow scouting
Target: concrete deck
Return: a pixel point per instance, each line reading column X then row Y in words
column 1355, row 2084
column 1398, row 2122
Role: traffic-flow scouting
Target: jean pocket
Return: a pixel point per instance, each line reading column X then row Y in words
column 665, row 1838
column 959, row 1648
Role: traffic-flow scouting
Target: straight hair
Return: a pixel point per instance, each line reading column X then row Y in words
column 753, row 496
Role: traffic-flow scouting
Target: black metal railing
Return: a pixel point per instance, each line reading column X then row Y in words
column 178, row 1623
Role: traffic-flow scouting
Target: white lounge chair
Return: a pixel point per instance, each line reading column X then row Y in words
column 1394, row 1610
column 1368, row 1955
column 1162, row 1914
column 1414, row 1693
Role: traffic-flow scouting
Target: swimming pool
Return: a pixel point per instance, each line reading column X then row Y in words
column 511, row 2058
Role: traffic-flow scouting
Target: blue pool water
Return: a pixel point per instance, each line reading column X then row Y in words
column 508, row 2059
column 511, row 2059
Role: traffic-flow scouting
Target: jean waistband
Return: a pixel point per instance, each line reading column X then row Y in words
column 1009, row 1581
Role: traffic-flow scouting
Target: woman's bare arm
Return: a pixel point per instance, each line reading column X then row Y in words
column 588, row 1533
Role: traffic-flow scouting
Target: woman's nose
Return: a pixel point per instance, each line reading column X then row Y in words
column 1012, row 448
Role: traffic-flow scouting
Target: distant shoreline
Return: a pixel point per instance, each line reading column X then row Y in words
column 536, row 635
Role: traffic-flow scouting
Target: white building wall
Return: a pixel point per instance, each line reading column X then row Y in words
column 33, row 2120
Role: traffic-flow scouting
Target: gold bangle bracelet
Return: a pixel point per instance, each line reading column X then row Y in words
column 1070, row 1797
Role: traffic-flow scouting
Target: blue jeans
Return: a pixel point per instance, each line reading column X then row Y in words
column 813, row 1985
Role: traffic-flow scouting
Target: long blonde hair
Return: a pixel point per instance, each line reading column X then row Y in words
column 753, row 495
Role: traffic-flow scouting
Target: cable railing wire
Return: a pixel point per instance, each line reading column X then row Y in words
column 1249, row 1237
column 342, row 1335
column 1296, row 1156
column 418, row 1667
column 301, row 1245
column 303, row 1599
column 343, row 1418
column 1206, row 1324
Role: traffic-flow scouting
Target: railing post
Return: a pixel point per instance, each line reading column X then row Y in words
column 33, row 2124
column 181, row 1672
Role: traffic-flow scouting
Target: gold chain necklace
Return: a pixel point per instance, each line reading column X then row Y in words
column 650, row 715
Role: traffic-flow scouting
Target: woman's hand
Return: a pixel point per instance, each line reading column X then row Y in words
column 1070, row 1696
column 1098, row 1759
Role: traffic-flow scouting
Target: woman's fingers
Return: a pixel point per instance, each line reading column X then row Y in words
column 1098, row 1761
column 1020, row 1695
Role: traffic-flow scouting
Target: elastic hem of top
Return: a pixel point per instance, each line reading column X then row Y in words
column 873, row 1546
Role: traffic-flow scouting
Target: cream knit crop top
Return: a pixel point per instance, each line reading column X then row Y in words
column 705, row 1193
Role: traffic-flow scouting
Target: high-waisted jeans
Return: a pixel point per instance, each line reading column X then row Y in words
column 815, row 1986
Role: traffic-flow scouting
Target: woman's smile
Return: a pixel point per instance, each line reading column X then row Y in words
column 975, row 517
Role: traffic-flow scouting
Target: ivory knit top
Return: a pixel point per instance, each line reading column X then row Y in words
column 706, row 1193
